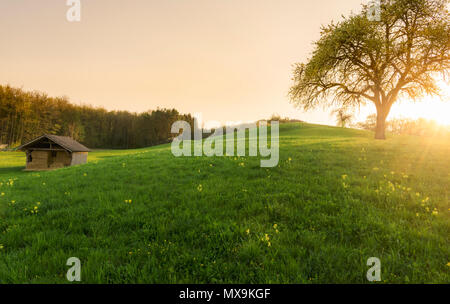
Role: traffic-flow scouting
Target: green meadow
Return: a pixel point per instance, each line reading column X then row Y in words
column 337, row 198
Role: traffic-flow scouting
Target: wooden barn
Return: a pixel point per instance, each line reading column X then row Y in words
column 51, row 152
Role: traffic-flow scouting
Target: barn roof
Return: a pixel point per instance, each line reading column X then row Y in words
column 66, row 142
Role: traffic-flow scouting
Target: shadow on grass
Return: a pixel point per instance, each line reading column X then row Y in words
column 6, row 170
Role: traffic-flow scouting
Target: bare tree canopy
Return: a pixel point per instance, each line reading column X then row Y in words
column 358, row 60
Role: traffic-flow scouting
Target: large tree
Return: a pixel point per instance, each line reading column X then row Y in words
column 360, row 60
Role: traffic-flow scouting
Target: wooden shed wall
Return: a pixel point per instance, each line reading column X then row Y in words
column 79, row 158
column 61, row 160
column 40, row 160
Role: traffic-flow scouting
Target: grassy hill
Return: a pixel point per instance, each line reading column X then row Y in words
column 144, row 216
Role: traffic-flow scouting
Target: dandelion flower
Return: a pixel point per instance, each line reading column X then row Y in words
column 247, row 231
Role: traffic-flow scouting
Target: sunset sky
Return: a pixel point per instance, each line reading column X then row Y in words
column 230, row 60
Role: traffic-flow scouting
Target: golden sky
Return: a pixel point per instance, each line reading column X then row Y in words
column 230, row 60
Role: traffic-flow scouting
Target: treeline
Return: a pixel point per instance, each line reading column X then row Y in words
column 420, row 127
column 26, row 115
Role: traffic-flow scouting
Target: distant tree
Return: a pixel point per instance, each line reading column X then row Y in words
column 369, row 124
column 357, row 60
column 275, row 117
column 343, row 118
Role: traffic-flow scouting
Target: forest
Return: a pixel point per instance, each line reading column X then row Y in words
column 25, row 115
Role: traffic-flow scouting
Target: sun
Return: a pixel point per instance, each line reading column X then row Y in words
column 430, row 107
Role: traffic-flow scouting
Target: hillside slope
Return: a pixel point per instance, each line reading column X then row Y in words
column 144, row 216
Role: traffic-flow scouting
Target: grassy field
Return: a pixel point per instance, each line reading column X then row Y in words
column 337, row 198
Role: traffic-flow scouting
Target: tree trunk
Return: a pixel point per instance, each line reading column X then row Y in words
column 381, row 124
